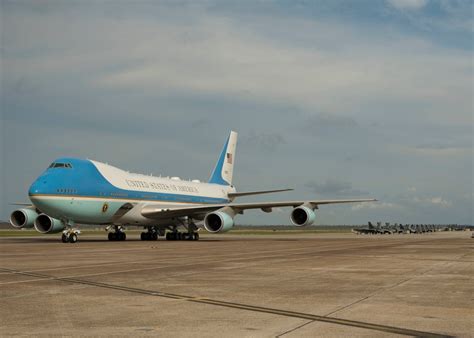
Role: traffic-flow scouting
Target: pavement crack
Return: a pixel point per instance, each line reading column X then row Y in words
column 240, row 306
column 384, row 289
column 294, row 329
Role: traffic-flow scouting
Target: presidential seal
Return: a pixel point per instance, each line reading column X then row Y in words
column 105, row 207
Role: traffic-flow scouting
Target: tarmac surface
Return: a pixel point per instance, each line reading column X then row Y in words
column 288, row 285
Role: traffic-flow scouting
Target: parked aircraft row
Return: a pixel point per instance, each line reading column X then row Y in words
column 75, row 191
column 396, row 228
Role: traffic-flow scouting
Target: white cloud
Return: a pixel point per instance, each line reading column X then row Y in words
column 438, row 201
column 333, row 69
column 448, row 151
column 408, row 4
column 375, row 205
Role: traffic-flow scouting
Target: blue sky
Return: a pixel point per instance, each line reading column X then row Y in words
column 333, row 98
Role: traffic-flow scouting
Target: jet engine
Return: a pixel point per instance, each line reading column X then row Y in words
column 23, row 218
column 218, row 221
column 302, row 216
column 48, row 225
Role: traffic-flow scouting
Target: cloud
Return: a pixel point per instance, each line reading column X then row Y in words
column 408, row 4
column 158, row 85
column 437, row 201
column 452, row 19
column 437, row 150
column 375, row 206
column 215, row 55
column 333, row 187
column 201, row 123
column 268, row 141
column 440, row 201
column 315, row 125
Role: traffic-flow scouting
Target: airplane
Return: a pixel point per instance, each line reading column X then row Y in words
column 370, row 229
column 74, row 192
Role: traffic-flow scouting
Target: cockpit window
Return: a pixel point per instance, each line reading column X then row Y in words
column 60, row 165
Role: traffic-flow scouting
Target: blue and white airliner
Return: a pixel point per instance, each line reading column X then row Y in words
column 75, row 191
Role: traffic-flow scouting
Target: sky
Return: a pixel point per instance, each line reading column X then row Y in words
column 336, row 99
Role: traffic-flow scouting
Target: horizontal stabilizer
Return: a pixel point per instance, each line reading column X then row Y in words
column 260, row 192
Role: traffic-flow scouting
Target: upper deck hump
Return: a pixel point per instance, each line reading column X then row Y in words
column 124, row 180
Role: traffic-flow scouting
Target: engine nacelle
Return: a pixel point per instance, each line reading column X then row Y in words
column 302, row 216
column 23, row 218
column 48, row 225
column 218, row 221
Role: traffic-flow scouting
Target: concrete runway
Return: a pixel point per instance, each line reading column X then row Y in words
column 239, row 286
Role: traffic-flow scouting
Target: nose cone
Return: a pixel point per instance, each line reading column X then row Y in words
column 38, row 195
column 38, row 187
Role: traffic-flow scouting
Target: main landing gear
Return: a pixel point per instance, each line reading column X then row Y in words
column 191, row 235
column 117, row 235
column 153, row 232
column 150, row 235
column 179, row 236
column 70, row 236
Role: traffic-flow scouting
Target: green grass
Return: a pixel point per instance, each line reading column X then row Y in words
column 19, row 233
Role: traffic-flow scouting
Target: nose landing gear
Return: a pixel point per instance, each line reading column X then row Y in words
column 70, row 235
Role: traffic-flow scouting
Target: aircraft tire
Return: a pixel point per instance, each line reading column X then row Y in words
column 111, row 236
column 196, row 236
column 123, row 236
column 64, row 238
column 154, row 236
column 72, row 238
column 143, row 236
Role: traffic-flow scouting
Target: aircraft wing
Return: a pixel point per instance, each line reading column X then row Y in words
column 154, row 212
column 259, row 192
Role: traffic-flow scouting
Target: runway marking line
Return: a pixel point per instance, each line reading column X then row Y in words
column 254, row 308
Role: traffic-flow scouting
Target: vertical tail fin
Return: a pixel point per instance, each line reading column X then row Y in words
column 222, row 173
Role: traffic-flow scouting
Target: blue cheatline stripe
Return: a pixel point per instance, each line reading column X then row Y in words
column 85, row 180
column 216, row 176
column 156, row 198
